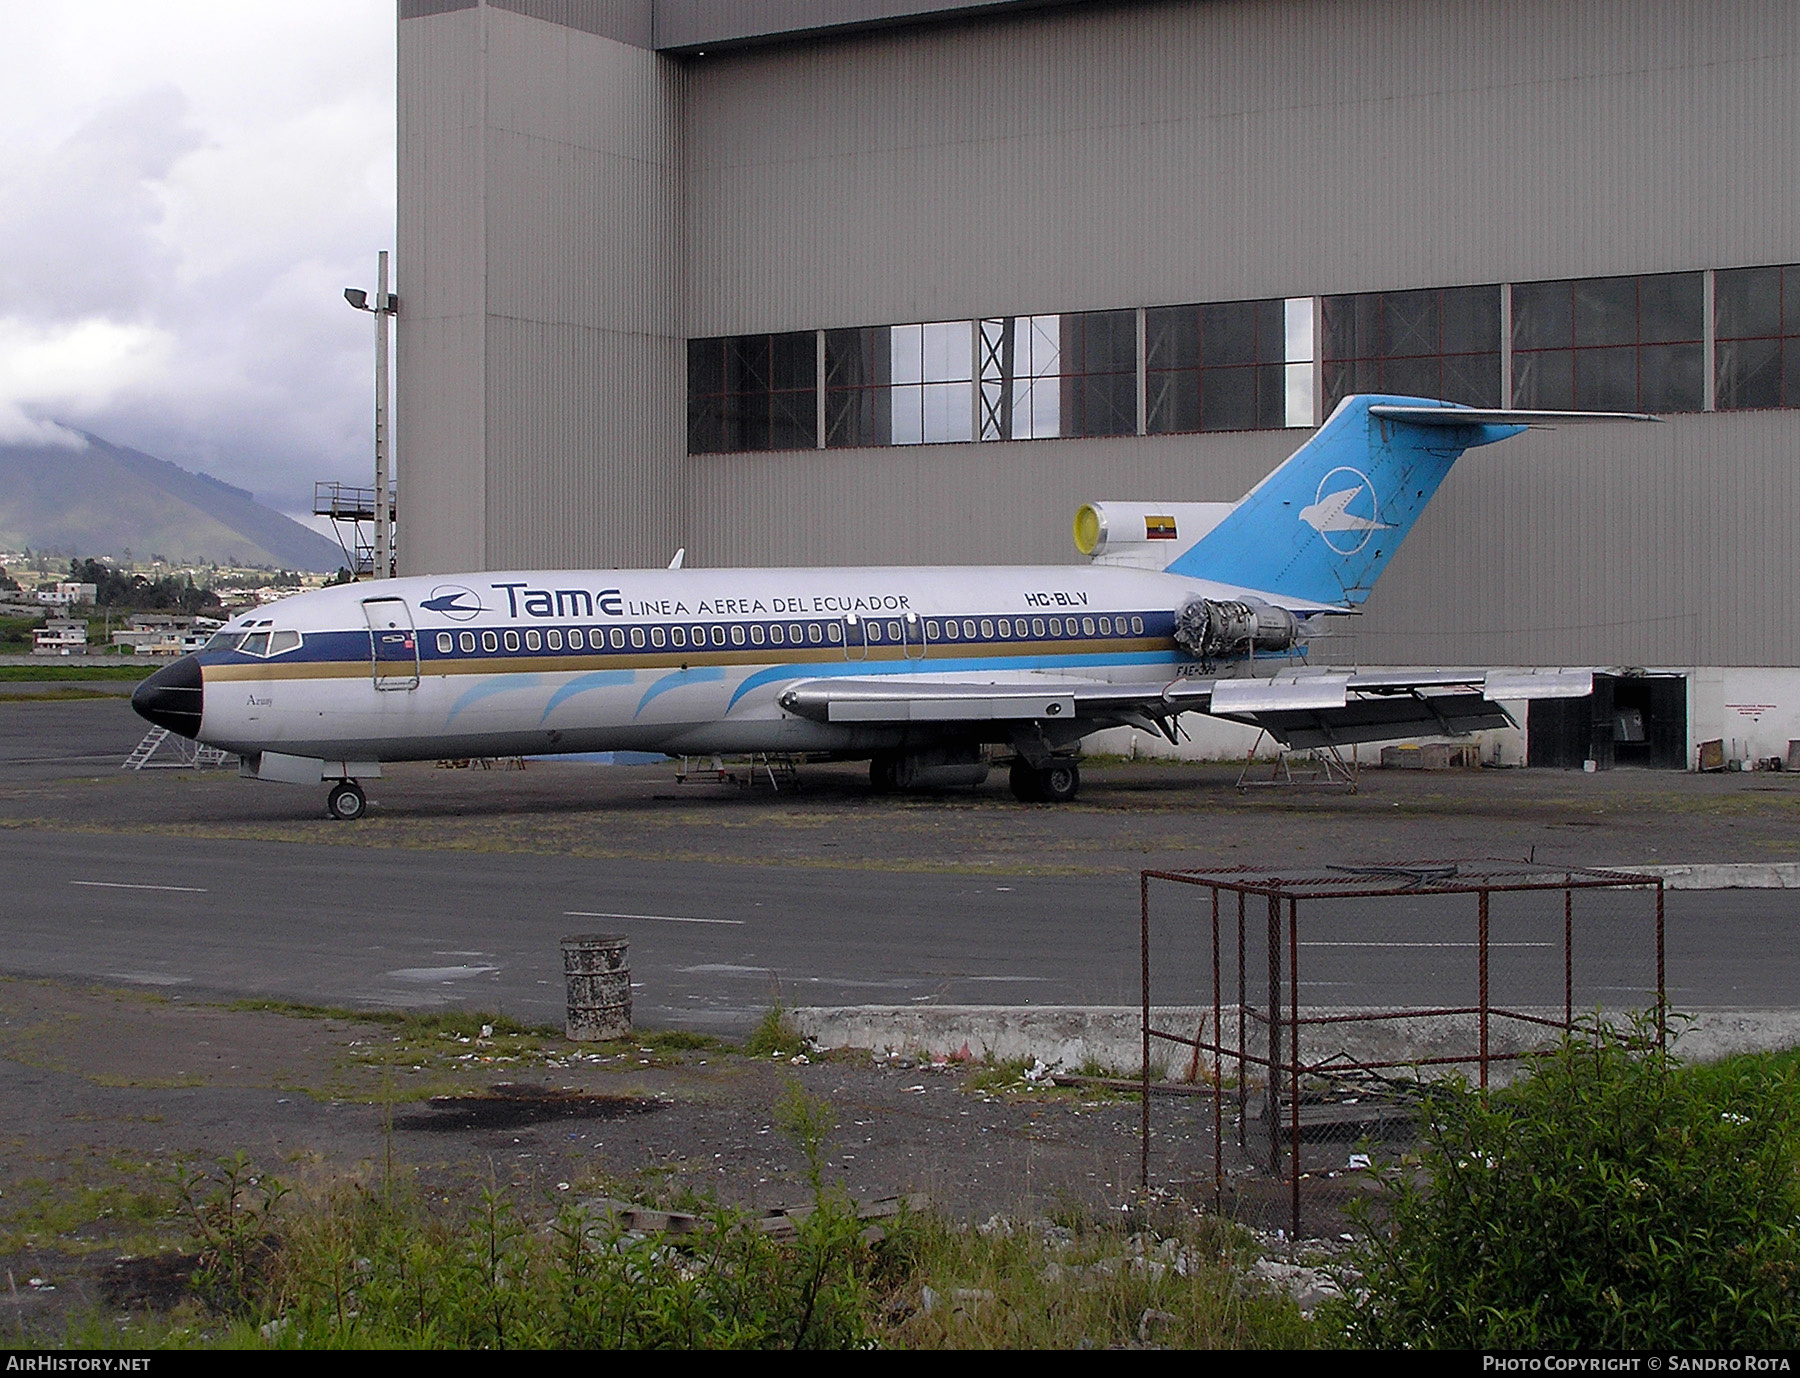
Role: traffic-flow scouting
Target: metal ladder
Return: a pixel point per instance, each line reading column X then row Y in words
column 188, row 755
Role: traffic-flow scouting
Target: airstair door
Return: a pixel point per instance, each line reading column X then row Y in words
column 393, row 643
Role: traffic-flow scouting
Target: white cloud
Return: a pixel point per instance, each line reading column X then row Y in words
column 185, row 189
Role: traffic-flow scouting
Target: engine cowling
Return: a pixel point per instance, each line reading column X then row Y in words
column 1214, row 629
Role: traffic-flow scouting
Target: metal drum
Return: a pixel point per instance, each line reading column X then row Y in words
column 599, row 987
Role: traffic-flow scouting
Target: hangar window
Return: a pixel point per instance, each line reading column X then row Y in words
column 753, row 392
column 509, row 639
column 658, row 637
column 467, row 641
column 490, row 642
column 1437, row 342
column 445, row 643
column 1757, row 316
column 534, row 640
column 858, row 405
column 1219, row 366
column 1599, row 344
column 931, row 399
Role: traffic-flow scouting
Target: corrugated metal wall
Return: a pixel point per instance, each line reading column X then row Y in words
column 441, row 277
column 1108, row 156
column 543, row 368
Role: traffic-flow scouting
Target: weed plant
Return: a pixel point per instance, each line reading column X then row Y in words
column 1614, row 1199
column 774, row 1036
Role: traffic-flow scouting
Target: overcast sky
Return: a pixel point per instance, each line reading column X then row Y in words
column 186, row 188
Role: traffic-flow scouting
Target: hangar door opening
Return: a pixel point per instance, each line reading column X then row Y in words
column 1629, row 720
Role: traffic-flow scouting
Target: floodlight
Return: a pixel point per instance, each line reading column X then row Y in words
column 357, row 298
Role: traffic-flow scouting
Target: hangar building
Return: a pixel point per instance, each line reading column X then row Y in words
column 879, row 281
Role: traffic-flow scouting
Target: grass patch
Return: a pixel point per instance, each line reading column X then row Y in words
column 58, row 696
column 382, row 1263
column 58, row 672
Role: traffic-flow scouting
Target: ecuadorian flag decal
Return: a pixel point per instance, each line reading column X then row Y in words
column 1159, row 528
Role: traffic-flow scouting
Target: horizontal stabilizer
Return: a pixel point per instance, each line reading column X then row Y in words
column 1497, row 416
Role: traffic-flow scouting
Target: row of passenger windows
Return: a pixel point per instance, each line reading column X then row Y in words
column 985, row 629
column 659, row 638
column 873, row 632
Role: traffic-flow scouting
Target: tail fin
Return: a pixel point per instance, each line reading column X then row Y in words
column 1323, row 526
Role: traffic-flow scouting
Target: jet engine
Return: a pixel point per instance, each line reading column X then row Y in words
column 1213, row 629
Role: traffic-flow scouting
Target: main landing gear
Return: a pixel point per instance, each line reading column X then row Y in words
column 346, row 802
column 1056, row 783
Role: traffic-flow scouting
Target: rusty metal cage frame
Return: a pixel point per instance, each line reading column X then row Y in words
column 1483, row 879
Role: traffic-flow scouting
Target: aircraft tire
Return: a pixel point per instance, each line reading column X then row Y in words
column 1026, row 781
column 1060, row 781
column 346, row 802
column 884, row 772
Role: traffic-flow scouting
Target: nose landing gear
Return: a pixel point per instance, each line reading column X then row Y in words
column 346, row 802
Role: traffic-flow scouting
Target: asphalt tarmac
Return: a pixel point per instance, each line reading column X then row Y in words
column 459, row 886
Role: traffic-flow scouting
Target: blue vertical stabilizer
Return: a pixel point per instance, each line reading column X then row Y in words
column 1323, row 526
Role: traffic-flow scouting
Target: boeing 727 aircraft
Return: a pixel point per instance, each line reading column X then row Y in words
column 1186, row 607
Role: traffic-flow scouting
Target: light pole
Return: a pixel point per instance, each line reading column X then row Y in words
column 385, row 306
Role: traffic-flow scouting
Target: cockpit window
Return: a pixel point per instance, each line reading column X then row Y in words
column 256, row 644
column 280, row 643
column 224, row 641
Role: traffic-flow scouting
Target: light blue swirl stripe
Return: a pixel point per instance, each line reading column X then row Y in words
column 852, row 669
column 704, row 675
column 600, row 679
column 498, row 685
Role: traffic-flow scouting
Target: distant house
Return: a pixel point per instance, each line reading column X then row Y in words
column 60, row 636
column 67, row 595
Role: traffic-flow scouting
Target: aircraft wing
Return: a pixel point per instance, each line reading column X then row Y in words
column 1304, row 708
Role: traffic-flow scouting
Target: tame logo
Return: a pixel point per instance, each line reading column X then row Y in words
column 453, row 601
column 1345, row 531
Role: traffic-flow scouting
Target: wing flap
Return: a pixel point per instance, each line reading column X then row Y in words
column 904, row 700
column 1379, row 720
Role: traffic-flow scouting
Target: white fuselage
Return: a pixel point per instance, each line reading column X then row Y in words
column 680, row 661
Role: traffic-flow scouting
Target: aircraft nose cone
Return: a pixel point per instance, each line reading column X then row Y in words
column 173, row 697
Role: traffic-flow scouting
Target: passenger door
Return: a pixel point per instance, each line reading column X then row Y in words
column 393, row 643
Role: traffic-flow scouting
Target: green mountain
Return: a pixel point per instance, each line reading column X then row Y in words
column 106, row 499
